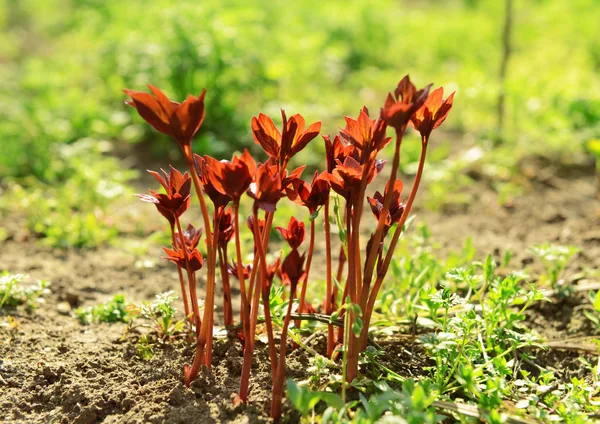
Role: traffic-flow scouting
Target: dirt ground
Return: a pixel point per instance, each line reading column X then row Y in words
column 53, row 369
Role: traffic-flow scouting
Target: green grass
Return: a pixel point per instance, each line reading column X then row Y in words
column 470, row 318
column 65, row 63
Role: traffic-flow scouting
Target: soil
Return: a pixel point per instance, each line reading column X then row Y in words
column 54, row 369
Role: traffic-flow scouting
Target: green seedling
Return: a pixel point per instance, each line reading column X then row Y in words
column 594, row 314
column 161, row 313
column 144, row 347
column 555, row 259
column 14, row 293
column 114, row 310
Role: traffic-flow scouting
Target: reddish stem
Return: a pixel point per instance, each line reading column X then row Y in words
column 253, row 317
column 280, row 375
column 311, row 247
column 191, row 373
column 184, row 296
column 388, row 257
column 356, row 343
column 378, row 236
column 210, row 293
column 258, row 237
column 191, row 279
column 227, row 307
column 244, row 310
column 329, row 299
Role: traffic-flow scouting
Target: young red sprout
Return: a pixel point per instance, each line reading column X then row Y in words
column 266, row 190
column 433, row 113
column 292, row 271
column 313, row 196
column 233, row 179
column 281, row 146
column 396, row 206
column 174, row 203
column 191, row 237
column 224, row 235
column 294, row 233
column 182, row 121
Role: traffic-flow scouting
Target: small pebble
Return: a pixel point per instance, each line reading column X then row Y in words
column 64, row 308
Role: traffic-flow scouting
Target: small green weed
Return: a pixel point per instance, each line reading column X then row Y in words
column 594, row 314
column 144, row 347
column 481, row 349
column 114, row 310
column 14, row 293
column 161, row 313
column 555, row 259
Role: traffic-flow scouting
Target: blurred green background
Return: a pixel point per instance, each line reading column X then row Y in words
column 64, row 63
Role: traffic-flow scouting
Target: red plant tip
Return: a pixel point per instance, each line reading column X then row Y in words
column 306, row 308
column 346, row 177
column 313, row 195
column 191, row 237
column 232, row 270
column 291, row 178
column 181, row 121
column 433, row 113
column 177, row 198
column 396, row 206
column 338, row 150
column 273, row 270
column 292, row 269
column 283, row 145
column 226, row 228
column 177, row 256
column 294, row 233
column 203, row 169
column 250, row 223
column 405, row 101
column 266, row 188
column 365, row 133
column 237, row 400
column 231, row 178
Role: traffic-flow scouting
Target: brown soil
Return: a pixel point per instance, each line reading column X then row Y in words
column 54, row 369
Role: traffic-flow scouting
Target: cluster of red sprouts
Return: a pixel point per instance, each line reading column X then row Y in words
column 352, row 163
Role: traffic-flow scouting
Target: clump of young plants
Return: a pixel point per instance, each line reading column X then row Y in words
column 113, row 310
column 555, row 259
column 14, row 291
column 161, row 313
column 164, row 327
column 351, row 163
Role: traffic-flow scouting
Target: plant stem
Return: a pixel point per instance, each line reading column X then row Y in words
column 329, row 289
column 253, row 317
column 191, row 279
column 227, row 307
column 210, row 292
column 210, row 278
column 378, row 236
column 340, row 273
column 388, row 258
column 280, row 373
column 258, row 237
column 347, row 325
column 184, row 297
column 311, row 247
column 198, row 186
column 240, row 267
column 351, row 291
